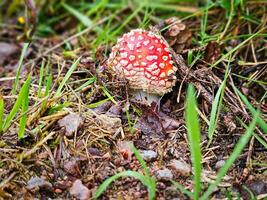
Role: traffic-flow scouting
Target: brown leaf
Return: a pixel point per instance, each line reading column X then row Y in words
column 71, row 123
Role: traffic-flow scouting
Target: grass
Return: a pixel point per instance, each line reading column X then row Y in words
column 216, row 107
column 146, row 179
column 21, row 102
column 23, row 53
column 193, row 133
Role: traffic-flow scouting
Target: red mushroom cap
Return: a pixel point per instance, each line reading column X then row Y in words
column 144, row 59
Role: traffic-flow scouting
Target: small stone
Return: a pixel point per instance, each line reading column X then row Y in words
column 180, row 167
column 219, row 164
column 148, row 155
column 36, row 183
column 79, row 191
column 164, row 174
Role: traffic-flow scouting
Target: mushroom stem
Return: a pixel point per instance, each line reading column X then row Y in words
column 147, row 98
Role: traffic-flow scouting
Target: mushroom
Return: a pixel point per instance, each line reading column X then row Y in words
column 144, row 60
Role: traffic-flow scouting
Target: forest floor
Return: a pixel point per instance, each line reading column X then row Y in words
column 67, row 124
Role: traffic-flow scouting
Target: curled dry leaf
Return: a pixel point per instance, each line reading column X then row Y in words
column 71, row 123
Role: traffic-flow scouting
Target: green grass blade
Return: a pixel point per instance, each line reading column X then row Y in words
column 94, row 105
column 252, row 110
column 215, row 110
column 242, row 142
column 183, row 190
column 1, row 113
column 111, row 98
column 41, row 76
column 67, row 76
column 151, row 182
column 141, row 160
column 81, row 17
column 224, row 56
column 108, row 181
column 24, row 108
column 254, row 134
column 23, row 53
column 193, row 132
column 89, row 82
column 16, row 106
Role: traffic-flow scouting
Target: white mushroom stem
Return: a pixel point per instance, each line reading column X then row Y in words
column 144, row 97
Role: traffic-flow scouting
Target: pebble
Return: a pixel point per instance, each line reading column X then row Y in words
column 180, row 167
column 219, row 164
column 148, row 155
column 164, row 174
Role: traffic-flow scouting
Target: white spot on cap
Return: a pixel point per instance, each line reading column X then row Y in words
column 166, row 49
column 146, row 42
column 151, row 48
column 138, row 44
column 162, row 75
column 130, row 46
column 140, row 37
column 132, row 39
column 129, row 67
column 152, row 66
column 124, row 54
column 159, row 49
column 157, row 41
column 136, row 64
column 156, row 72
column 140, row 56
column 148, row 75
column 162, row 65
column 131, row 57
column 153, row 57
column 165, row 58
column 143, row 63
column 124, row 62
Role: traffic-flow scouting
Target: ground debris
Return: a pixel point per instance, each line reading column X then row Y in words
column 71, row 123
column 37, row 183
column 164, row 174
column 148, row 155
column 79, row 191
column 180, row 167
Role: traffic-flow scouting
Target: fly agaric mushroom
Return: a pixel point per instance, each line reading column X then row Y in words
column 143, row 58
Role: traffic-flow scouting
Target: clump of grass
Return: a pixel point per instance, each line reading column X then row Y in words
column 146, row 179
column 22, row 103
column 194, row 143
